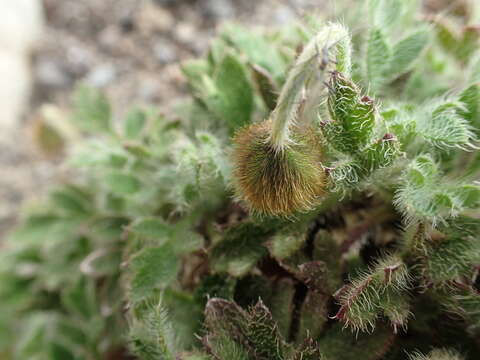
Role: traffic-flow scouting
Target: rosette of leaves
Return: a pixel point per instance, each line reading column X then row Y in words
column 148, row 254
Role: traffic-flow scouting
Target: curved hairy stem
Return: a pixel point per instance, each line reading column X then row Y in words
column 332, row 45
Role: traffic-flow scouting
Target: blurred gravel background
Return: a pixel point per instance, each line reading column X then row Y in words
column 130, row 48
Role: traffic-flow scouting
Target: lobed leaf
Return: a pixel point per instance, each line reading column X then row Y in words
column 235, row 104
column 353, row 116
column 153, row 268
column 406, row 51
column 93, row 111
column 122, row 183
column 151, row 334
column 378, row 59
column 381, row 290
column 135, row 123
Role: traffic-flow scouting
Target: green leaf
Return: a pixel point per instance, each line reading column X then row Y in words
column 437, row 354
column 470, row 98
column 99, row 154
column 446, row 35
column 469, row 43
column 474, row 69
column 263, row 334
column 41, row 227
column 451, row 259
column 223, row 347
column 443, row 127
column 48, row 138
column 353, row 116
column 385, row 14
column 285, row 244
column 411, row 198
column 217, row 51
column 313, row 316
column 187, row 315
column 135, row 123
column 122, row 184
column 203, row 357
column 152, row 334
column 466, row 302
column 281, row 303
column 80, row 298
column 469, row 195
column 215, row 286
column 152, row 228
column 345, row 174
column 213, row 153
column 327, row 251
column 139, row 151
column 92, row 110
column 266, row 85
column 153, row 268
column 378, row 291
column 340, row 344
column 380, row 154
column 226, row 318
column 195, row 71
column 308, row 351
column 72, row 200
column 32, row 339
column 233, row 99
column 406, row 51
column 461, row 226
column 108, row 228
column 103, row 262
column 378, row 59
column 259, row 50
column 240, row 249
column 424, row 196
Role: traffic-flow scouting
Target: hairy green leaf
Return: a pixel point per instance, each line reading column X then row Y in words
column 93, row 111
column 153, row 268
column 378, row 59
column 406, row 51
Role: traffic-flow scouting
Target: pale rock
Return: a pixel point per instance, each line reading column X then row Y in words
column 20, row 29
column 185, row 32
column 51, row 74
column 101, row 75
column 219, row 9
column 20, row 24
column 153, row 18
column 164, row 51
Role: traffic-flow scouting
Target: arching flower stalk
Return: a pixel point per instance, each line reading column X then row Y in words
column 277, row 163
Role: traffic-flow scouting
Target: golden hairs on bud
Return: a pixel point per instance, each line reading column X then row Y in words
column 277, row 182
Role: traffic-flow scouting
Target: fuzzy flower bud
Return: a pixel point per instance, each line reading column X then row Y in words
column 277, row 182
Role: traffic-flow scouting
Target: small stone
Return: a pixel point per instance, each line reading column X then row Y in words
column 164, row 51
column 283, row 15
column 153, row 18
column 219, row 9
column 21, row 25
column 51, row 73
column 127, row 24
column 79, row 59
column 148, row 90
column 164, row 2
column 110, row 37
column 185, row 32
column 102, row 75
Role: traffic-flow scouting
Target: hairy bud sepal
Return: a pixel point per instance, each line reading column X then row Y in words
column 277, row 182
column 353, row 115
column 380, row 154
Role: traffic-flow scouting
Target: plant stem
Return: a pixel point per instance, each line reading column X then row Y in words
column 332, row 45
